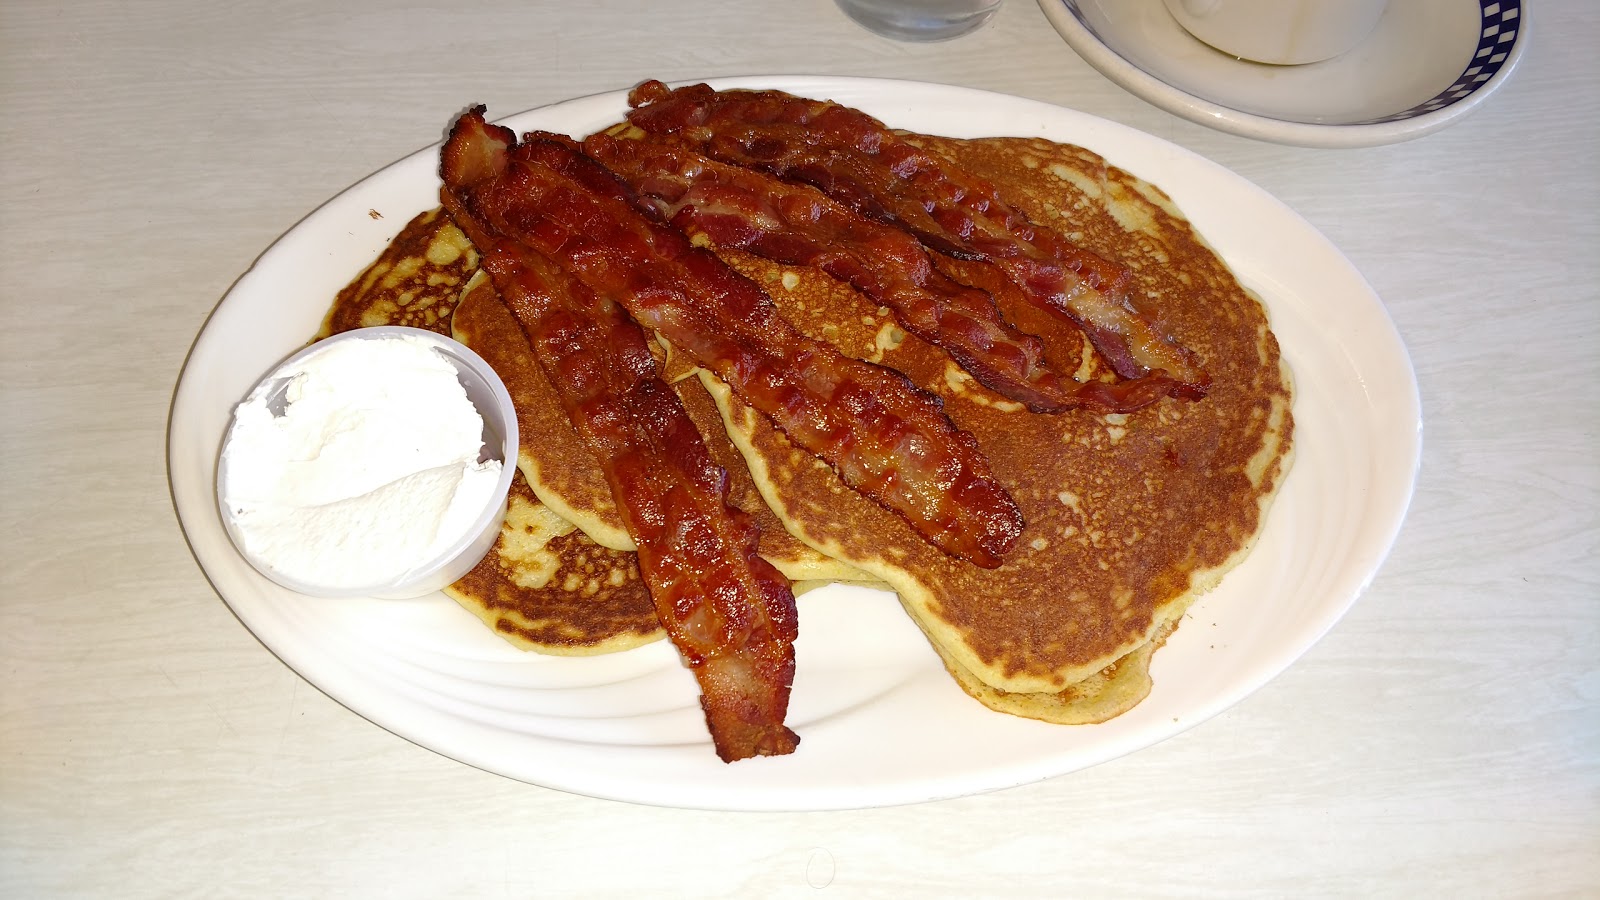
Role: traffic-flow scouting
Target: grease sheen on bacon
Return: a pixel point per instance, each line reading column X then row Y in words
column 729, row 612
column 884, row 437
column 796, row 224
column 863, row 164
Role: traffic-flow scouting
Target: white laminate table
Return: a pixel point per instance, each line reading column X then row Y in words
column 1441, row 740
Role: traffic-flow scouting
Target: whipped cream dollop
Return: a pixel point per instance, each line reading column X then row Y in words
column 356, row 464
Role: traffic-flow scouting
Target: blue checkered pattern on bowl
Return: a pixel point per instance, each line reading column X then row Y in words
column 1500, row 22
column 1501, row 19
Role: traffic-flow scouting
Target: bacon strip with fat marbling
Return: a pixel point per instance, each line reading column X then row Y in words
column 885, row 438
column 796, row 224
column 729, row 612
column 865, row 165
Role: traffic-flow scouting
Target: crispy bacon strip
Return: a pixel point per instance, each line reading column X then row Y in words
column 730, row 614
column 884, row 437
column 796, row 224
column 863, row 164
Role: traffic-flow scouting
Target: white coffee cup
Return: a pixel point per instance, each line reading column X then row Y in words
column 1281, row 32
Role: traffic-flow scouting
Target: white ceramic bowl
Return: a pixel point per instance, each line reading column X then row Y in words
column 1426, row 64
column 487, row 393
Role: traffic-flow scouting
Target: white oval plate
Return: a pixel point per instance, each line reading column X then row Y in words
column 1426, row 64
column 881, row 722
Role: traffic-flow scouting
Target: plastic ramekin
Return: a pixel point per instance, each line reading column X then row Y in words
column 500, row 441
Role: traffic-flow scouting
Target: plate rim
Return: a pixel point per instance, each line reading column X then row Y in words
column 1174, row 99
column 1096, row 131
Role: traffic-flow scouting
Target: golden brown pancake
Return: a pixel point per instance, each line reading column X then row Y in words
column 559, row 467
column 1104, row 695
column 546, row 587
column 414, row 281
column 1128, row 517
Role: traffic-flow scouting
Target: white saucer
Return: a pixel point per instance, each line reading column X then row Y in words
column 1426, row 64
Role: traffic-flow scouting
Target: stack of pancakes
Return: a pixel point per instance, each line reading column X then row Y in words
column 1129, row 517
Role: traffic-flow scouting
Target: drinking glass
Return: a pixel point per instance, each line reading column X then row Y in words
column 920, row 20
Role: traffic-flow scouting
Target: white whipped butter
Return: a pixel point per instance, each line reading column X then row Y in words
column 367, row 469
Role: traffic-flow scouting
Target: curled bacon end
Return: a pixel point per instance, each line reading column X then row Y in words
column 729, row 612
column 884, row 437
column 863, row 164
